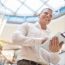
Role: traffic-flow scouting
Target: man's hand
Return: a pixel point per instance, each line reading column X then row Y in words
column 54, row 45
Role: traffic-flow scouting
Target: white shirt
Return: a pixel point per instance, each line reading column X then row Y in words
column 30, row 37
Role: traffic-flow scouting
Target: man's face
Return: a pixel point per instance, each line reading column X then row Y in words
column 45, row 17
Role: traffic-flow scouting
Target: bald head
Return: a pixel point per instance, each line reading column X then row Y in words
column 46, row 9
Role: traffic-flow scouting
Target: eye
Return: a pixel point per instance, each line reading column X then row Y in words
column 50, row 15
column 46, row 13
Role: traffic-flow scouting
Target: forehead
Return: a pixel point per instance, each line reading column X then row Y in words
column 47, row 10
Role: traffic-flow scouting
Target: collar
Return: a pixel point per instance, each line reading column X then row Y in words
column 38, row 26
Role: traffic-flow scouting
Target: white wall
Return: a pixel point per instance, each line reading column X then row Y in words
column 55, row 26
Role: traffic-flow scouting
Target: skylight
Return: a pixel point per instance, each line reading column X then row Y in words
column 28, row 7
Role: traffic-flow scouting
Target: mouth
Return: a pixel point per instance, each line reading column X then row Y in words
column 46, row 19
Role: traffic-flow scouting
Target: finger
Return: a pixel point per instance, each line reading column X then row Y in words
column 57, row 44
column 53, row 41
column 50, row 45
column 56, row 40
column 54, row 45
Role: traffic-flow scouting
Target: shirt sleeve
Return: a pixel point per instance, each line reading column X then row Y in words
column 49, row 57
column 20, row 37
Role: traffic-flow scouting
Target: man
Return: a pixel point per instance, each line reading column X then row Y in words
column 31, row 36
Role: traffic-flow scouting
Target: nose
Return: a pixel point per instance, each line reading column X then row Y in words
column 48, row 15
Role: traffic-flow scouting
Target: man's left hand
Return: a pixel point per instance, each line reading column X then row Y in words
column 54, row 45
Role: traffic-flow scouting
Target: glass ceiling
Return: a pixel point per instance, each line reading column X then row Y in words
column 30, row 7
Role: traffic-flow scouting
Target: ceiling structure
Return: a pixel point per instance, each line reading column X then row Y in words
column 27, row 9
